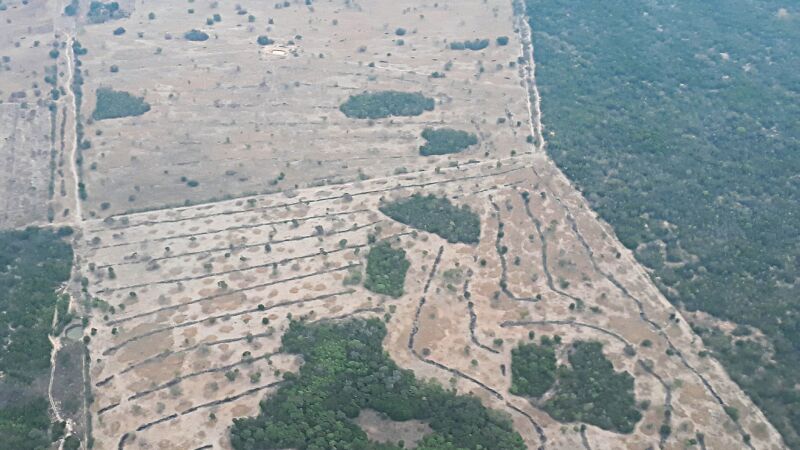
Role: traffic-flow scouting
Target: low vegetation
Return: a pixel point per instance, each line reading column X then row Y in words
column 533, row 369
column 442, row 141
column 436, row 215
column 377, row 105
column 386, row 270
column 475, row 45
column 346, row 370
column 113, row 104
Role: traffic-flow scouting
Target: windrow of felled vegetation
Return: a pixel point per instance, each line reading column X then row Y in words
column 678, row 121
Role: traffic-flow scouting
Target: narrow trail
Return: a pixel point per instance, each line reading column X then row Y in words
column 73, row 159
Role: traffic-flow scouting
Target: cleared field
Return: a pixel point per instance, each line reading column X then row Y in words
column 25, row 153
column 233, row 115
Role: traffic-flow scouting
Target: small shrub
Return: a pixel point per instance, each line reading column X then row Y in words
column 264, row 40
column 196, row 36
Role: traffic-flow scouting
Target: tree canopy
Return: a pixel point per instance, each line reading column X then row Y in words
column 345, row 370
column 533, row 369
column 113, row 104
column 436, row 215
column 386, row 270
column 442, row 141
column 33, row 264
column 377, row 105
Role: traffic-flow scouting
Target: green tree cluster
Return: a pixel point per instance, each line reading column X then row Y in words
column 386, row 270
column 33, row 264
column 533, row 369
column 442, row 141
column 100, row 12
column 436, row 215
column 377, row 105
column 346, row 370
column 26, row 426
column 113, row 104
column 590, row 391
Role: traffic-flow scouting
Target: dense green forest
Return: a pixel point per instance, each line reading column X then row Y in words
column 588, row 390
column 436, row 215
column 679, row 122
column 33, row 263
column 442, row 141
column 345, row 370
column 113, row 104
column 386, row 270
column 377, row 105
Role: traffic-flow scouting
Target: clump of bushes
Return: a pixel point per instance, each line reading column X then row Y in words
column 113, row 104
column 436, row 215
column 377, row 105
column 196, row 36
column 476, row 44
column 264, row 40
column 386, row 270
column 446, row 140
column 100, row 12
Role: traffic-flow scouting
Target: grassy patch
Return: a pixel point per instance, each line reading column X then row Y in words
column 436, row 215
column 445, row 140
column 113, row 104
column 386, row 270
column 346, row 370
column 377, row 105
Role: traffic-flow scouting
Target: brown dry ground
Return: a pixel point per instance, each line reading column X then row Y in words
column 191, row 285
